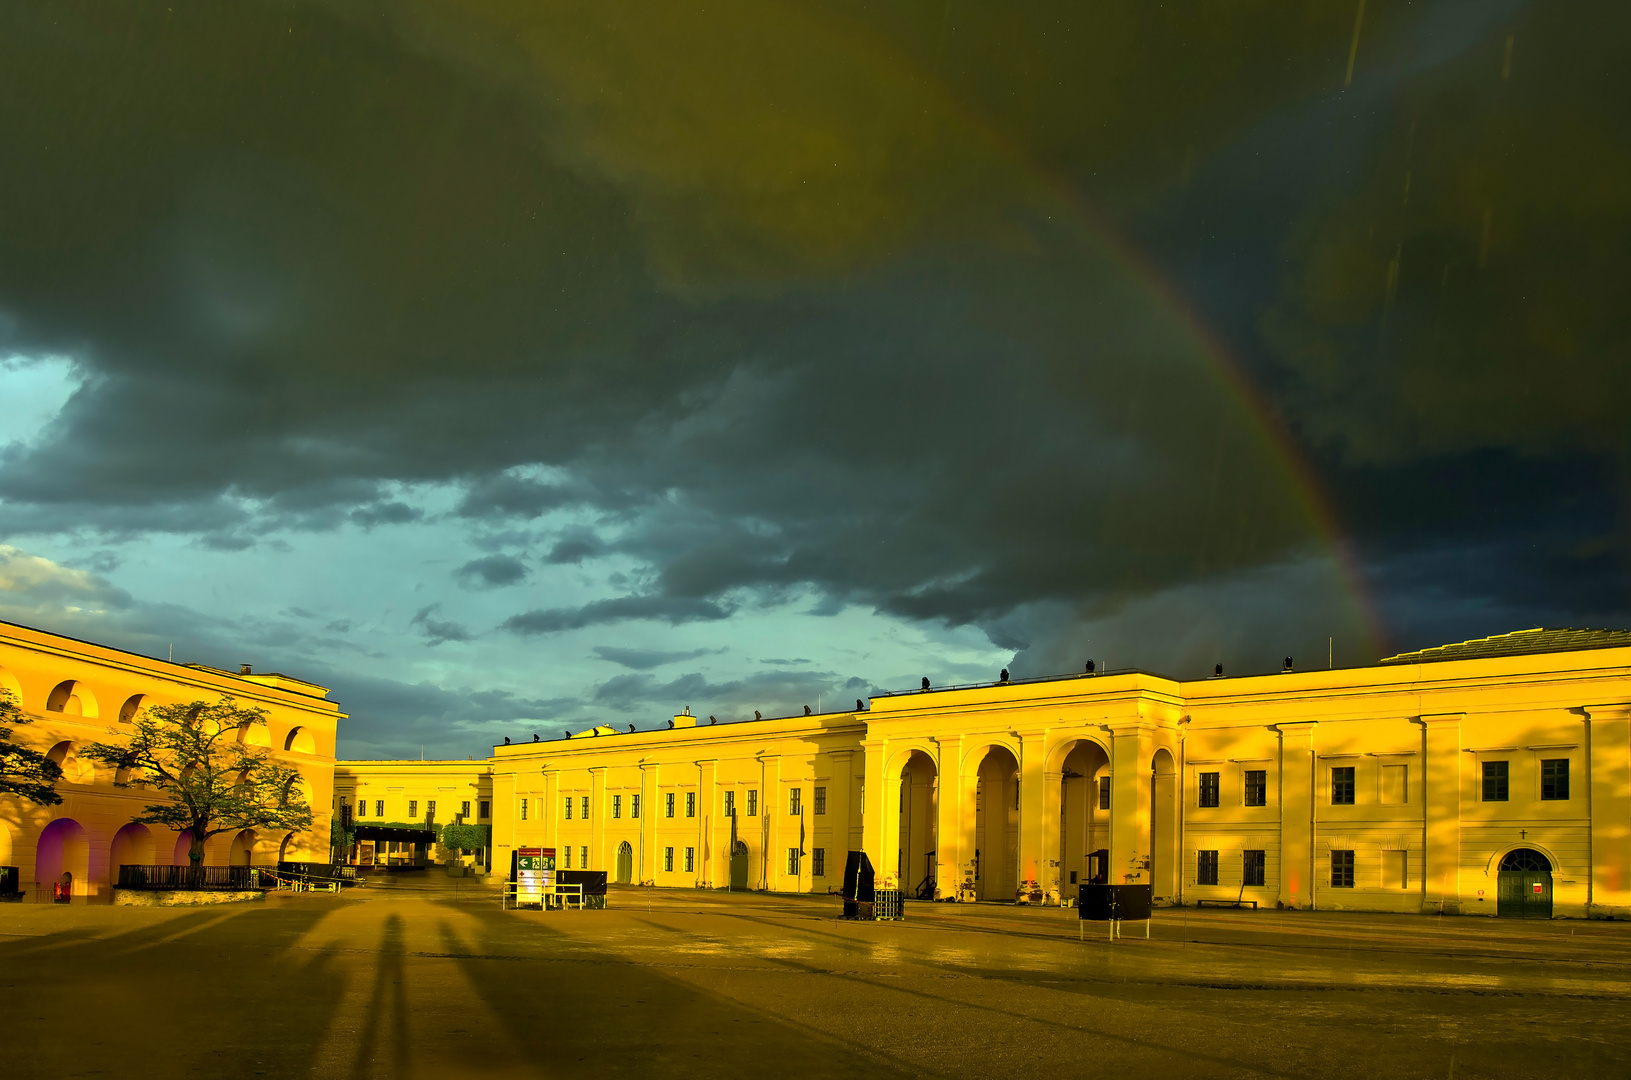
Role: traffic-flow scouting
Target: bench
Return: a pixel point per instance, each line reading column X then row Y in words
column 1227, row 903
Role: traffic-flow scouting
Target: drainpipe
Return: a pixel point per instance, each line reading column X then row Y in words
column 1183, row 761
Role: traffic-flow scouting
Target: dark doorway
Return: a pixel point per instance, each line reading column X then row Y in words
column 1523, row 887
column 739, row 866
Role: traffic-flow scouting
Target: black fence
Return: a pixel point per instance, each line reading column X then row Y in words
column 193, row 878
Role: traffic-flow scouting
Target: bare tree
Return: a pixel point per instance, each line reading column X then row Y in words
column 24, row 772
column 213, row 781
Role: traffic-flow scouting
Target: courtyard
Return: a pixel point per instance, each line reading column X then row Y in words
column 432, row 979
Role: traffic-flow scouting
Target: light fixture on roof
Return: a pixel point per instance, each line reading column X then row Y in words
column 1287, row 666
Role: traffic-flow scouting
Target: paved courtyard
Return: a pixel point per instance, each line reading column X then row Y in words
column 434, row 980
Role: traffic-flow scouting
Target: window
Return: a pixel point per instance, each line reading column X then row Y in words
column 1395, row 784
column 1253, row 868
column 430, row 810
column 1395, row 869
column 690, row 860
column 795, row 801
column 1554, row 779
column 793, row 861
column 1206, row 866
column 583, row 805
column 753, row 804
column 1342, row 785
column 1257, row 787
column 1495, row 781
column 669, row 802
column 485, row 808
column 523, row 809
column 413, row 809
column 634, row 806
column 1209, row 792
column 821, row 802
column 464, row 809
column 583, row 858
column 569, row 808
column 730, row 804
column 379, row 807
column 1342, row 869
column 818, row 860
column 1104, row 793
column 668, row 859
column 617, row 806
column 362, row 807
column 566, row 858
column 690, row 804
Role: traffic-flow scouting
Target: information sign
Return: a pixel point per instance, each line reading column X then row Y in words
column 534, row 872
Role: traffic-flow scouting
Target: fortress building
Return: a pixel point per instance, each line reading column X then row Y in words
column 1490, row 776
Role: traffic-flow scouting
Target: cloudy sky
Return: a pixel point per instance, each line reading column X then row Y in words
column 512, row 367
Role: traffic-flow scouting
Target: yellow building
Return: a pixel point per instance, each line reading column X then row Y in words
column 381, row 798
column 77, row 693
column 1428, row 782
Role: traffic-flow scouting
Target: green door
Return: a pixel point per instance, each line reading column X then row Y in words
column 1523, row 887
column 739, row 866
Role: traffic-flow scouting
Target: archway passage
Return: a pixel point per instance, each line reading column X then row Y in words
column 625, row 863
column 919, row 816
column 300, row 741
column 1164, row 826
column 182, row 855
column 132, row 846
column 242, row 852
column 1084, row 817
column 62, row 860
column 996, row 826
column 1523, row 885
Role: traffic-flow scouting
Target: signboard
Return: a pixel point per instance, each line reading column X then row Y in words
column 534, row 872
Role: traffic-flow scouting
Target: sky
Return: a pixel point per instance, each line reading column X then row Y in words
column 511, row 368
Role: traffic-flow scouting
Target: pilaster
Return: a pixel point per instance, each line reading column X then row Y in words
column 708, row 846
column 1608, row 730
column 1131, row 746
column 647, row 856
column 597, row 817
column 954, row 864
column 1441, row 813
column 1297, row 882
column 876, row 809
column 1034, row 827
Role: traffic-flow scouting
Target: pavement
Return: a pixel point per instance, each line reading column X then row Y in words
column 430, row 978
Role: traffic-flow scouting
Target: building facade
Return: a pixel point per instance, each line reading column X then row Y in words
column 77, row 693
column 380, row 799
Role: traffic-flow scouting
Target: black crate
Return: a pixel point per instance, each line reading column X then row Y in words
column 1101, row 903
column 593, row 881
column 888, row 904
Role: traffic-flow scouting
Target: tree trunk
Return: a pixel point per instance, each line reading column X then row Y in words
column 195, row 856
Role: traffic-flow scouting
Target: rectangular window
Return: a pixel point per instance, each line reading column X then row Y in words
column 1257, row 787
column 668, row 859
column 1253, row 868
column 430, row 810
column 413, row 809
column 1342, row 869
column 730, row 804
column 362, row 807
column 753, row 804
column 1209, row 789
column 1206, row 868
column 821, row 802
column 1104, row 793
column 690, row 860
column 583, row 805
column 1495, row 781
column 569, row 808
column 523, row 809
column 634, row 806
column 1554, row 779
column 583, row 858
column 485, row 808
column 464, row 809
column 690, row 804
column 1342, row 785
column 795, row 801
column 566, row 858
column 617, row 806
column 668, row 800
column 793, row 861
column 379, row 807
column 1395, row 784
column 1395, row 869
column 818, row 860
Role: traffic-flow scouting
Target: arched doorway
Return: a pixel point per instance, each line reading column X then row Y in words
column 62, row 858
column 1084, row 817
column 996, row 825
column 1523, row 885
column 242, row 852
column 625, row 864
column 283, row 848
column 132, row 846
column 919, row 818
column 1164, row 826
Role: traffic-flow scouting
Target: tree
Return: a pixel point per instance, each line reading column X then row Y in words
column 214, row 782
column 24, row 772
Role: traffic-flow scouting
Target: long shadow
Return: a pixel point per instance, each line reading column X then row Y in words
column 386, row 1017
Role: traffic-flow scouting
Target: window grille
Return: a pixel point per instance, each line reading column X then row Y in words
column 668, row 859
column 1342, row 785
column 1206, row 868
column 690, row 804
column 1495, row 781
column 464, row 809
column 793, row 861
column 818, row 860
column 1554, row 779
column 583, row 858
column 413, row 809
column 362, row 807
column 730, row 804
column 566, row 858
column 1342, row 869
column 617, row 806
column 430, row 810
column 1104, row 793
column 1253, row 868
column 794, row 801
column 1257, row 787
column 753, row 803
column 583, row 805
column 634, row 806
column 379, row 807
column 1209, row 789
column 669, row 804
column 690, row 860
column 569, row 808
column 820, row 802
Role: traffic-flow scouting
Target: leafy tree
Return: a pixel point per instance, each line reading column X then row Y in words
column 213, row 781
column 24, row 772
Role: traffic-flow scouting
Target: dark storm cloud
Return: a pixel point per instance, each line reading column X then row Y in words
column 784, row 299
column 491, row 571
column 773, row 693
column 646, row 659
column 438, row 631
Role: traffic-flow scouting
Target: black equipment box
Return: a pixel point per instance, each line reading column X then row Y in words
column 858, row 889
column 1101, row 903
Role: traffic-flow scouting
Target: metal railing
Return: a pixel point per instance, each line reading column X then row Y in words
column 553, row 895
column 193, row 878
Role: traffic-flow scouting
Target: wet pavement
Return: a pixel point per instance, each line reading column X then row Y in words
column 433, row 979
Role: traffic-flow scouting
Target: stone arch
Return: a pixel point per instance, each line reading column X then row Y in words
column 1080, row 767
column 1492, row 867
column 72, row 698
column 132, row 846
column 300, row 741
column 242, row 851
column 9, row 684
column 974, row 756
column 991, row 832
column 253, row 734
column 917, row 822
column 63, row 848
column 133, row 705
column 75, row 769
column 1164, row 825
